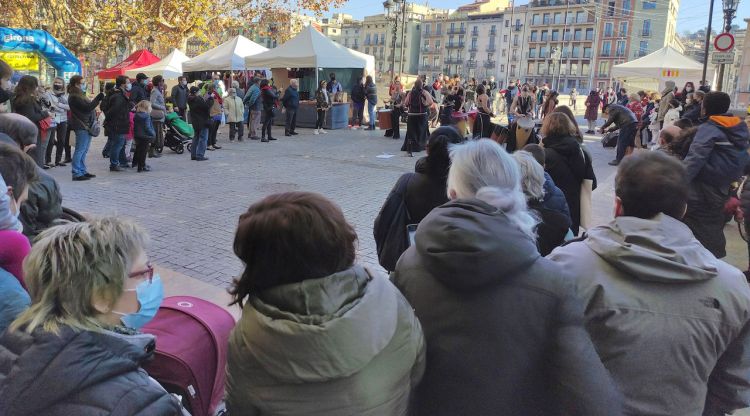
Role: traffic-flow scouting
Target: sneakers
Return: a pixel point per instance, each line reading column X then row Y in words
column 81, row 178
column 115, row 169
column 271, row 138
column 316, row 132
column 201, row 159
column 323, row 131
column 294, row 133
column 89, row 175
column 217, row 147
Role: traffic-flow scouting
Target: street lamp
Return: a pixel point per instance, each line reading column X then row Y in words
column 150, row 43
column 730, row 8
column 555, row 56
column 393, row 10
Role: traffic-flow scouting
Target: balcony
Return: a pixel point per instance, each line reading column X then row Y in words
column 491, row 48
column 605, row 54
column 473, row 48
column 454, row 61
column 471, row 63
column 512, row 73
column 475, row 32
column 368, row 42
column 646, row 34
column 436, row 34
column 534, row 39
column 640, row 54
column 426, row 49
column 456, row 45
column 493, row 32
column 489, row 64
column 517, row 28
column 602, row 75
column 514, row 58
column 456, row 31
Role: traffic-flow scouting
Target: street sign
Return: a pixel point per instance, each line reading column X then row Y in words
column 724, row 42
column 722, row 58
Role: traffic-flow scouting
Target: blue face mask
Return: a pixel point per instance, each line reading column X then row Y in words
column 150, row 295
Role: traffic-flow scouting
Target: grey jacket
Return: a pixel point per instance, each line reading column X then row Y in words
column 346, row 344
column 666, row 96
column 157, row 102
column 669, row 320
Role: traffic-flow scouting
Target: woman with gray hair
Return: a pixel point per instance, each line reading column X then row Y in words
column 553, row 226
column 498, row 318
column 77, row 349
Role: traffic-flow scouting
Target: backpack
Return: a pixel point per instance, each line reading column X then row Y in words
column 391, row 238
column 416, row 106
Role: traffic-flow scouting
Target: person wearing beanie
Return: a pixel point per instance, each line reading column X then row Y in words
column 138, row 89
column 716, row 158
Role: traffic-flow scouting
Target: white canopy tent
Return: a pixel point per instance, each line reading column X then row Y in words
column 653, row 70
column 311, row 49
column 170, row 67
column 229, row 56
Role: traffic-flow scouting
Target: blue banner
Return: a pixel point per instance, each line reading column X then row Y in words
column 41, row 42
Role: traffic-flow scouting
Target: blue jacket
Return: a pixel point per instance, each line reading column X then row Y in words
column 142, row 126
column 554, row 199
column 13, row 299
column 290, row 99
column 252, row 98
column 718, row 154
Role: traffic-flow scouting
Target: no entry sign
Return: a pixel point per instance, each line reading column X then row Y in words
column 724, row 42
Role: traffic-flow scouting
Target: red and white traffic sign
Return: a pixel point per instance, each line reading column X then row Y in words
column 724, row 42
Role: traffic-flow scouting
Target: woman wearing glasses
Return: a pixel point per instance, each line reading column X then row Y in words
column 77, row 349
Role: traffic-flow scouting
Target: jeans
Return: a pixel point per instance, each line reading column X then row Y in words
column 83, row 141
column 705, row 216
column 267, row 123
column 321, row 119
column 200, row 142
column 625, row 139
column 371, row 112
column 116, row 151
column 357, row 113
column 213, row 129
column 254, row 125
column 237, row 128
column 291, row 120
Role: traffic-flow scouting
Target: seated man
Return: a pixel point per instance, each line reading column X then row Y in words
column 670, row 322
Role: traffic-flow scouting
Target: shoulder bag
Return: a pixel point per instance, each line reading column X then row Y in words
column 94, row 129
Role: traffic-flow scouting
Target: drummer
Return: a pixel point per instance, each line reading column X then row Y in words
column 523, row 105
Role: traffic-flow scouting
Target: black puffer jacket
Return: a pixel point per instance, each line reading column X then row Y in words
column 425, row 191
column 43, row 206
column 116, row 109
column 137, row 93
column 31, row 109
column 503, row 329
column 79, row 373
column 565, row 163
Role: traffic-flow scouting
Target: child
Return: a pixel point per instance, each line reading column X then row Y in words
column 673, row 114
column 143, row 133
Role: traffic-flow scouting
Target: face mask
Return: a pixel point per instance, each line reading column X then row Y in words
column 128, row 86
column 83, row 87
column 150, row 295
column 58, row 87
column 183, row 83
column 144, row 81
column 689, row 89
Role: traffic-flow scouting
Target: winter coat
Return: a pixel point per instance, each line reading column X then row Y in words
column 269, row 97
column 199, row 111
column 138, row 93
column 345, row 344
column 636, row 108
column 179, row 96
column 693, row 113
column 592, row 107
column 234, row 109
column 43, row 206
column 13, row 300
column 291, row 99
column 566, row 164
column 82, row 111
column 554, row 198
column 30, row 109
column 322, row 99
column 371, row 91
column 673, row 114
column 143, row 128
column 21, row 130
column 503, row 330
column 83, row 373
column 670, row 322
column 424, row 191
column 666, row 97
column 718, row 154
column 158, row 104
column 116, row 108
column 358, row 93
column 60, row 107
column 619, row 116
column 252, row 98
column 552, row 228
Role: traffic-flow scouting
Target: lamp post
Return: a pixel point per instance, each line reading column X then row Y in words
column 555, row 57
column 150, row 43
column 395, row 9
column 730, row 8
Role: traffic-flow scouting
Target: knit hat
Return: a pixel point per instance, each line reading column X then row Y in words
column 716, row 103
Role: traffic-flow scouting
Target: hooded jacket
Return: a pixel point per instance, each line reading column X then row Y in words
column 346, row 344
column 718, row 154
column 565, row 162
column 290, row 100
column 138, row 93
column 82, row 373
column 143, row 128
column 43, row 206
column 669, row 320
column 252, row 98
column 504, row 332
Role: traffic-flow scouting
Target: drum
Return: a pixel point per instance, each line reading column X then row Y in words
column 384, row 119
column 524, row 128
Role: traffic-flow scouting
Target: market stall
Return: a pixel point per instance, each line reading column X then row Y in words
column 229, row 56
column 653, row 70
column 170, row 67
column 309, row 57
column 136, row 60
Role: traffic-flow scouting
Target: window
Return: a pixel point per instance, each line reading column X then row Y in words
column 437, row 44
column 543, row 52
column 587, row 52
column 367, row 50
column 473, row 43
column 581, row 17
column 620, row 48
column 576, row 51
column 606, row 48
column 427, row 28
column 611, row 9
column 367, row 39
column 436, row 62
column 530, row 68
column 555, row 35
column 589, row 34
column 646, row 28
column 626, row 6
column 541, row 67
column 643, row 48
column 502, row 68
column 558, row 18
column 544, row 36
column 493, row 30
column 603, row 69
column 507, row 23
column 534, row 20
column 608, row 28
column 518, row 23
column 515, row 40
column 573, row 68
column 569, row 17
column 375, row 39
column 503, row 52
column 623, row 29
column 649, row 4
column 566, row 34
column 577, row 34
column 585, row 68
column 565, row 52
column 532, row 53
column 438, row 28
column 563, row 67
column 533, row 36
column 545, row 19
column 505, row 38
column 512, row 70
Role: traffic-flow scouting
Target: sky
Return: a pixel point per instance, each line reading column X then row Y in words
column 693, row 14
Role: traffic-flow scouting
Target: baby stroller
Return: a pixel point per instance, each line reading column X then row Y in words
column 179, row 133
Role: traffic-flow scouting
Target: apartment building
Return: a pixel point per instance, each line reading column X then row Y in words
column 332, row 26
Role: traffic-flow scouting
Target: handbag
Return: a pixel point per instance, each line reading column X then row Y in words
column 157, row 115
column 44, row 125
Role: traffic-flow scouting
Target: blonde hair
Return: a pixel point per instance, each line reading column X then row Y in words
column 72, row 263
column 143, row 106
column 532, row 175
column 558, row 125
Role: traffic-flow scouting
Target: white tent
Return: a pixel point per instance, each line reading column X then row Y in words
column 170, row 67
column 654, row 69
column 229, row 56
column 311, row 49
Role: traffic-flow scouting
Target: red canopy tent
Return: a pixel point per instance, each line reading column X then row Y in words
column 137, row 59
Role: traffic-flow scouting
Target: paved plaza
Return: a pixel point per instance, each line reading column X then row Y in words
column 191, row 208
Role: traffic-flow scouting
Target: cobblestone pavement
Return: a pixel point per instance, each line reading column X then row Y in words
column 191, row 208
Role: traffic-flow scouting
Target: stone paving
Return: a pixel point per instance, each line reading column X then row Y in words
column 191, row 208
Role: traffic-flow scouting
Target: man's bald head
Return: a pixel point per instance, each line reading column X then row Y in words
column 669, row 134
